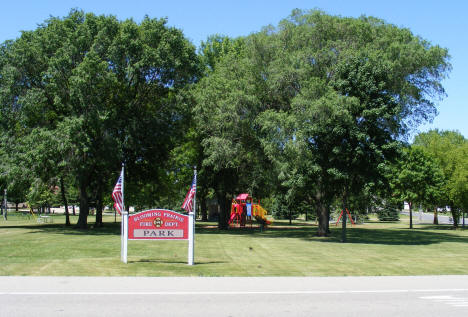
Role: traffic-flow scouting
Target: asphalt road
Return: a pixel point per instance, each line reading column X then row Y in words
column 428, row 218
column 270, row 296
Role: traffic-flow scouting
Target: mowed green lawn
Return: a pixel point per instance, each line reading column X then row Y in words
column 29, row 248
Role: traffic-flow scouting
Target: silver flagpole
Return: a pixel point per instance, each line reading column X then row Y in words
column 121, row 231
column 191, row 246
column 124, row 225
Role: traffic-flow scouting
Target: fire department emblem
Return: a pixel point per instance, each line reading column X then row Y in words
column 158, row 222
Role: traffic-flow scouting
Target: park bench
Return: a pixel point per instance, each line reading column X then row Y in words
column 45, row 219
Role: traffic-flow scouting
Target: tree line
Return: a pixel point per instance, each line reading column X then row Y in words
column 309, row 114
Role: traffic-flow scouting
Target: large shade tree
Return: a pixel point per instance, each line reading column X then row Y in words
column 104, row 89
column 227, row 106
column 327, row 98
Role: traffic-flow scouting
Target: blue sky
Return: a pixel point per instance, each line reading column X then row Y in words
column 440, row 22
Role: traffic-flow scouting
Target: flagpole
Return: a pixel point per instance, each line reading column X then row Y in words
column 124, row 222
column 191, row 246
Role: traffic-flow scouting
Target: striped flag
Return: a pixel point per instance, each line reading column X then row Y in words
column 188, row 202
column 117, row 194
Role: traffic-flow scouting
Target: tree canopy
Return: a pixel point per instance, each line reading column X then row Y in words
column 308, row 113
column 98, row 91
column 325, row 99
column 417, row 179
column 449, row 149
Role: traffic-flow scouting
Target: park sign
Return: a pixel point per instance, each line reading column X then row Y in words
column 158, row 224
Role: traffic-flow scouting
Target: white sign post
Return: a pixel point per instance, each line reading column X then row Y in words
column 191, row 239
column 124, row 237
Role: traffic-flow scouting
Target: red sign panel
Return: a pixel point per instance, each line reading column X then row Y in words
column 158, row 224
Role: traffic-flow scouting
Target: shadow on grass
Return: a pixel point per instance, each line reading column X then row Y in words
column 58, row 228
column 158, row 261
column 422, row 235
column 166, row 261
column 425, row 236
column 355, row 235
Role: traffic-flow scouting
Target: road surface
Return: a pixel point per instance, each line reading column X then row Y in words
column 428, row 218
column 269, row 296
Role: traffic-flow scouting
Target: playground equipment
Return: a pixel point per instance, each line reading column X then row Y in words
column 341, row 215
column 31, row 211
column 243, row 209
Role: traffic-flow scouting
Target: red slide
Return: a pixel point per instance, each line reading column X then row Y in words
column 233, row 215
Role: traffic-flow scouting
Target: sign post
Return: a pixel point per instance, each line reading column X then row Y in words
column 191, row 242
column 161, row 224
column 124, row 236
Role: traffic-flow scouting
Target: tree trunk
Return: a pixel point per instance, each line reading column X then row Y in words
column 84, row 208
column 410, row 205
column 344, row 218
column 65, row 203
column 73, row 208
column 204, row 211
column 99, row 209
column 436, row 218
column 323, row 215
column 17, row 207
column 290, row 217
column 223, row 213
column 455, row 215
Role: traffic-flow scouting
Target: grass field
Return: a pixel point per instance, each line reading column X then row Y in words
column 29, row 248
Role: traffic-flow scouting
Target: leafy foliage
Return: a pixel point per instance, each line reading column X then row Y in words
column 309, row 113
column 449, row 149
column 417, row 179
column 89, row 92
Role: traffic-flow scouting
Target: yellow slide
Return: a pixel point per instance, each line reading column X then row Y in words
column 260, row 214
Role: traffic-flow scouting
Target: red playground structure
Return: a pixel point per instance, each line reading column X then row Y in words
column 243, row 209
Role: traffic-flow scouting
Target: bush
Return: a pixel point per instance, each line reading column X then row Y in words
column 389, row 212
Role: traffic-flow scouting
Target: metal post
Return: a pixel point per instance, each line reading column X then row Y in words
column 122, row 257
column 191, row 246
column 124, row 223
column 124, row 236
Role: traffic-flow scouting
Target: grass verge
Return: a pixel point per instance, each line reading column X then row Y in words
column 29, row 248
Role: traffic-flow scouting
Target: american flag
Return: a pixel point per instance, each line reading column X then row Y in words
column 188, row 202
column 117, row 194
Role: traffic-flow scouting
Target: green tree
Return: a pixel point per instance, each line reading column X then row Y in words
column 449, row 149
column 417, row 179
column 227, row 106
column 216, row 47
column 325, row 99
column 14, row 178
column 106, row 89
column 350, row 100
